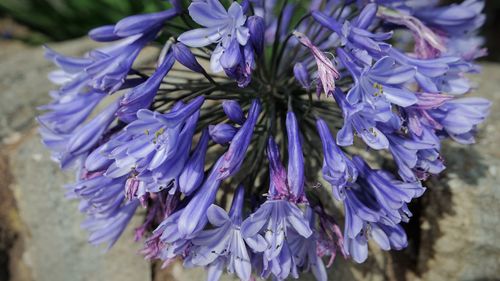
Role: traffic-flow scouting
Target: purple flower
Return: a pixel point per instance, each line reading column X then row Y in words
column 380, row 84
column 66, row 114
column 274, row 220
column 142, row 96
column 355, row 34
column 110, row 65
column 239, row 63
column 304, row 250
column 234, row 156
column 167, row 242
column 221, row 27
column 406, row 154
column 103, row 201
column 86, row 136
column 278, row 186
column 185, row 57
column 390, row 194
column 141, row 24
column 138, row 150
column 457, row 19
column 330, row 238
column 224, row 244
column 338, row 169
column 156, row 146
column 256, row 28
column 460, row 117
column 374, row 206
column 295, row 170
column 194, row 216
column 363, row 119
column 194, row 172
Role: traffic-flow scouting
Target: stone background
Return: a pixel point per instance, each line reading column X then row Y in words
column 455, row 234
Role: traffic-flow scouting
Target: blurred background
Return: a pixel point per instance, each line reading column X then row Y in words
column 454, row 235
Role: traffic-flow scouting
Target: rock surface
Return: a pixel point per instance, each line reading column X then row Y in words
column 454, row 234
column 54, row 246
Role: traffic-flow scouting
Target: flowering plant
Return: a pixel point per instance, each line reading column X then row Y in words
column 238, row 85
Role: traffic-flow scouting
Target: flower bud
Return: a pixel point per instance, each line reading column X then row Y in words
column 193, row 174
column 257, row 29
column 222, row 133
column 185, row 57
column 233, row 111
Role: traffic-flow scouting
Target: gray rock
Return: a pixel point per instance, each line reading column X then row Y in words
column 460, row 227
column 54, row 248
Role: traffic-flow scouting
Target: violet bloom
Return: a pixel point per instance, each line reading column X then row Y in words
column 363, row 120
column 103, row 201
column 194, row 172
column 304, row 250
column 221, row 27
column 274, row 219
column 185, row 57
column 460, row 117
column 233, row 158
column 355, row 33
column 457, row 19
column 330, row 239
column 138, row 150
column 194, row 216
column 141, row 24
column 338, row 169
column 295, row 169
column 406, row 155
column 256, row 28
column 156, row 145
column 66, row 114
column 380, row 84
column 143, row 95
column 374, row 207
column 67, row 148
column 167, row 242
column 392, row 195
column 223, row 246
column 110, row 65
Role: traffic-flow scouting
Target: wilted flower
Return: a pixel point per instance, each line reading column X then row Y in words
column 178, row 140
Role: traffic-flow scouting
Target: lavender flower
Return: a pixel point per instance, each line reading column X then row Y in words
column 221, row 26
column 179, row 141
column 223, row 244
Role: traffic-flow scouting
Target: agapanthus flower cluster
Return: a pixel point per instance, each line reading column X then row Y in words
column 245, row 103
